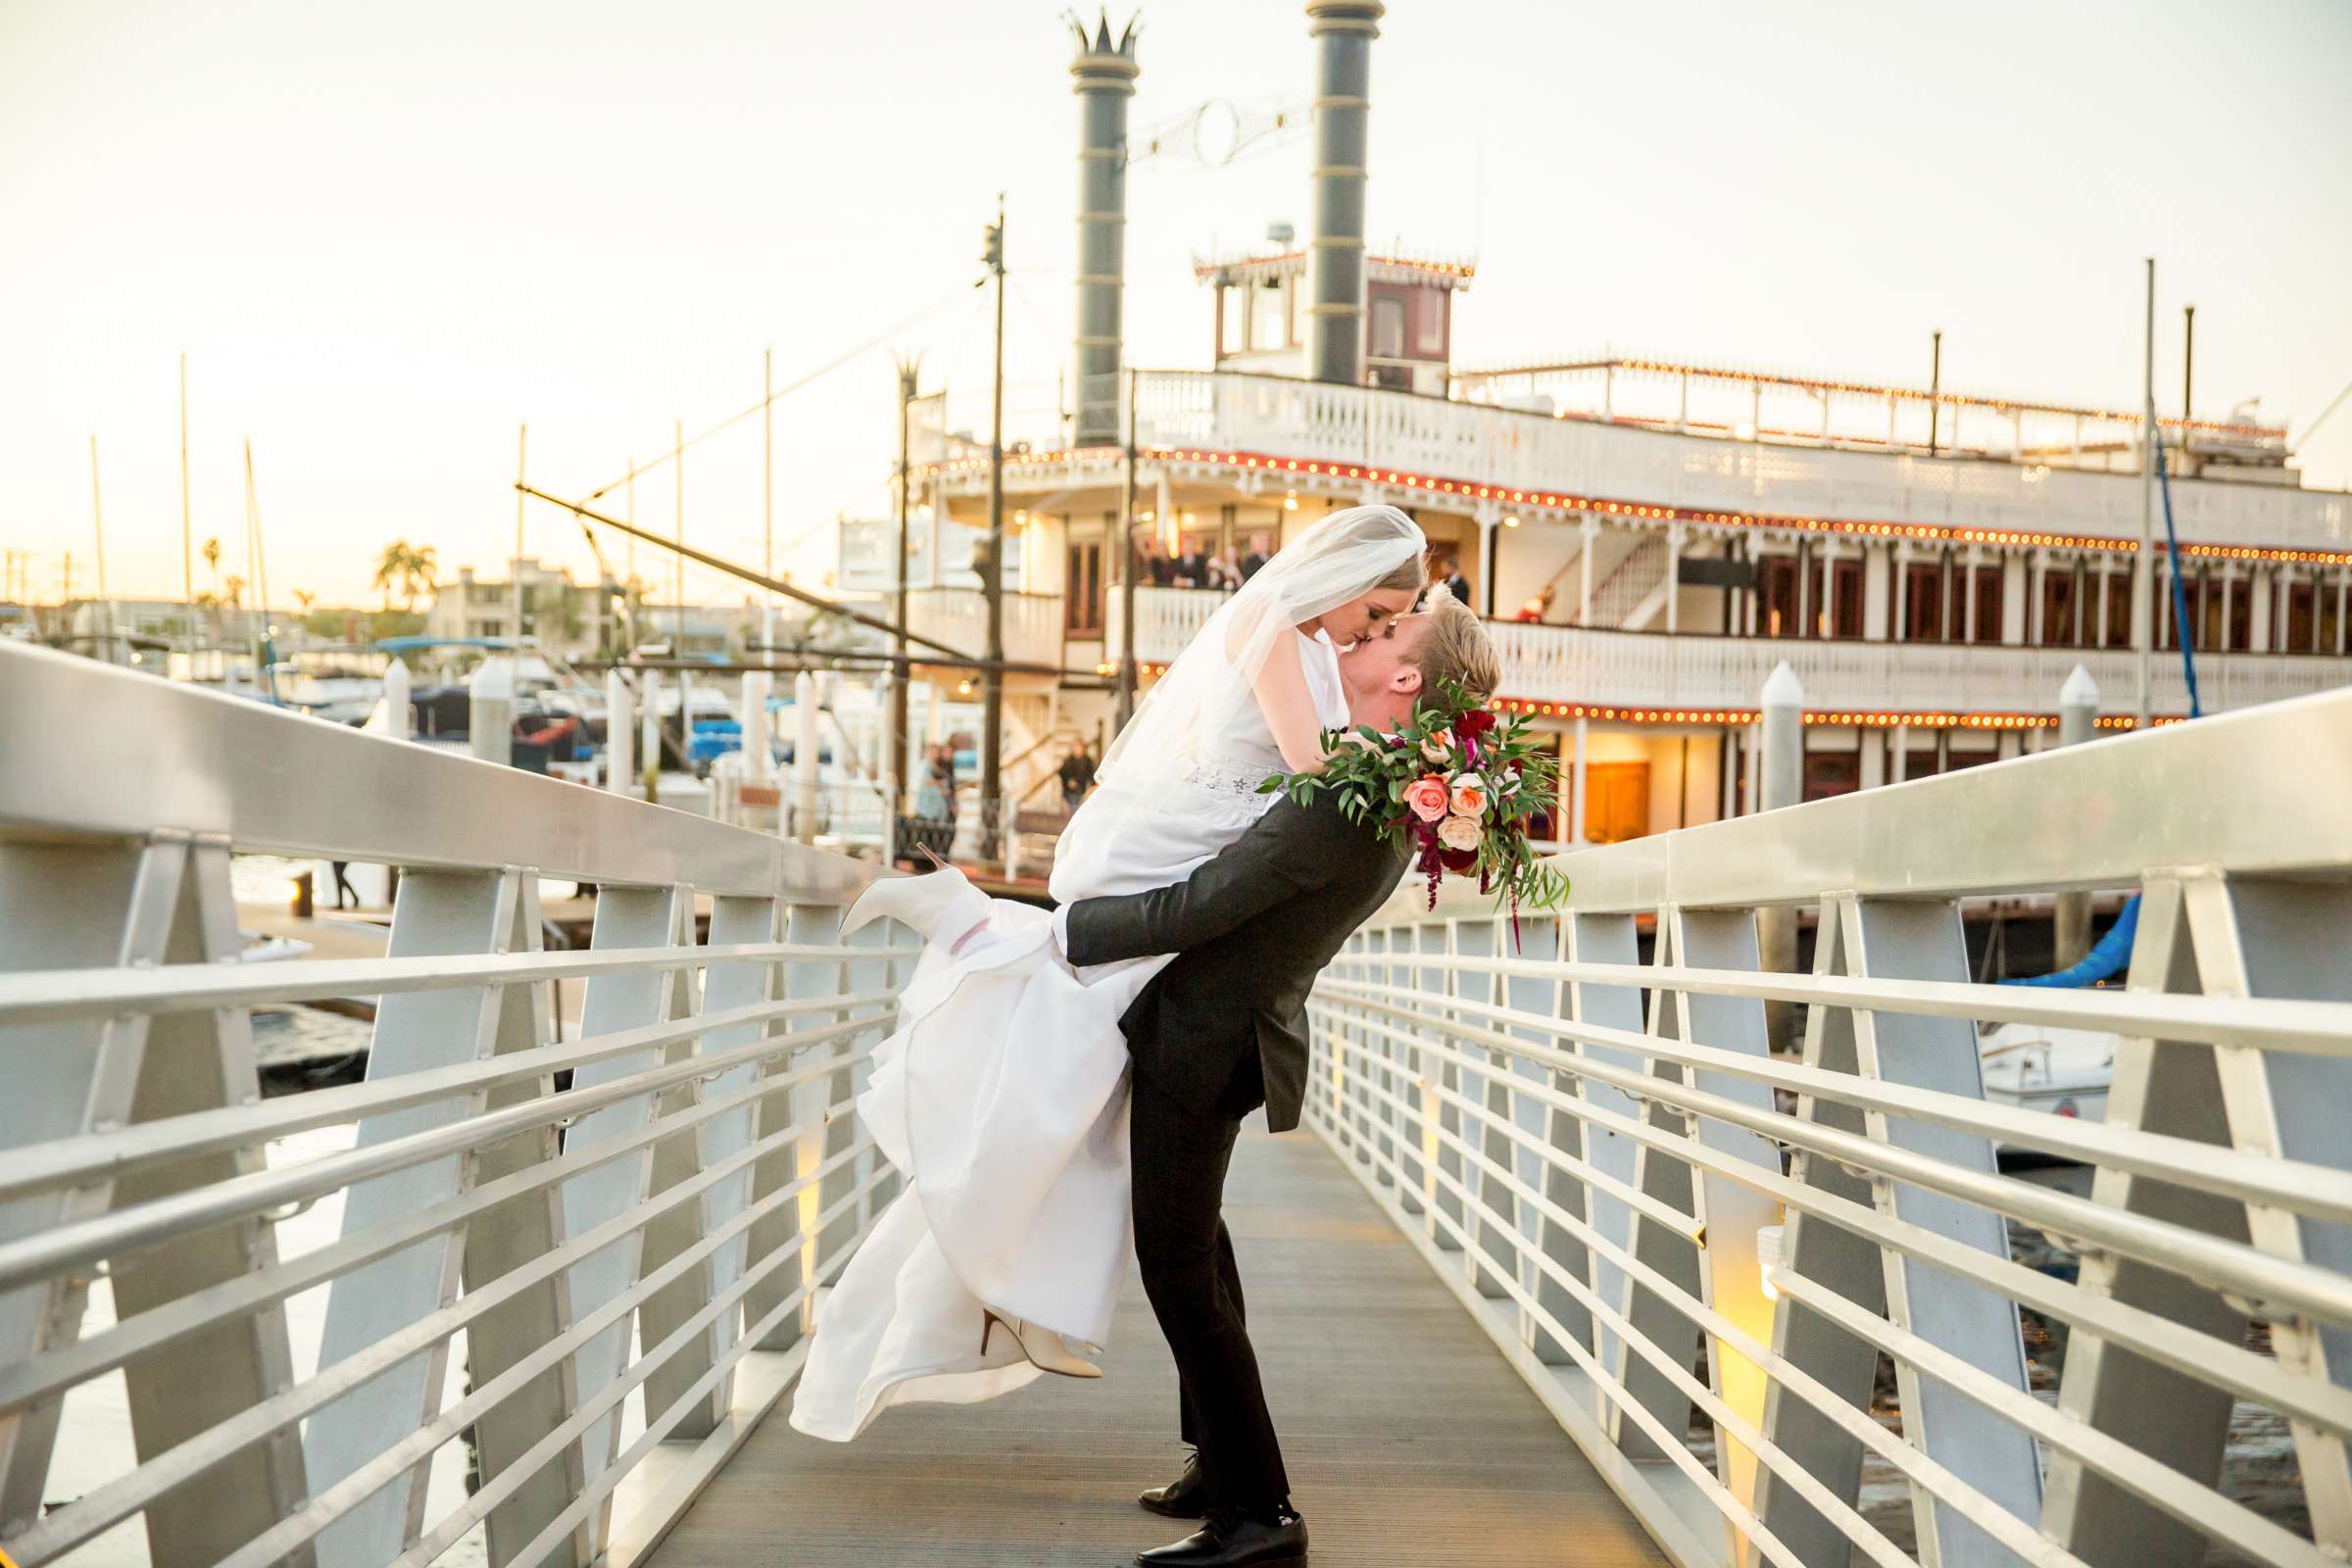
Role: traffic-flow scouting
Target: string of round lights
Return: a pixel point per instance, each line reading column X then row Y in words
column 1567, row 502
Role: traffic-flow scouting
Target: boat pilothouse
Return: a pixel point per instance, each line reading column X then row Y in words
column 1649, row 537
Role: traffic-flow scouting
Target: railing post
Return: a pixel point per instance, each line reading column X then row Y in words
column 1544, row 938
column 2271, row 937
column 883, row 971
column 1846, row 1263
column 801, row 1107
column 1607, row 938
column 680, row 1158
column 626, row 918
column 2169, row 1087
column 1723, row 1270
column 437, row 914
column 499, row 1241
column 1667, row 1179
column 1446, row 1188
column 1923, row 940
column 84, row 907
column 1499, row 1210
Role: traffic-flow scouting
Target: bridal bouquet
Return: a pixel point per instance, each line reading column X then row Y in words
column 1458, row 787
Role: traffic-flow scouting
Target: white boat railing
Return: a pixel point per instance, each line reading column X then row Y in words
column 1651, row 669
column 1696, row 1251
column 582, row 1257
column 1166, row 621
column 1660, row 670
column 959, row 617
column 1383, row 433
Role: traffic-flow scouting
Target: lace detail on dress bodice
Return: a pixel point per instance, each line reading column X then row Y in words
column 1229, row 776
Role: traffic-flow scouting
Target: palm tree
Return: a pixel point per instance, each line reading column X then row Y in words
column 390, row 567
column 418, row 577
column 211, row 562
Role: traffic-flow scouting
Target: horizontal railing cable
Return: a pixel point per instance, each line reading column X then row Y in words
column 2217, row 1517
column 2319, row 1190
column 2315, row 1028
column 1937, row 1478
column 105, row 1157
column 658, row 1426
column 2273, row 1283
column 54, row 996
column 101, row 1509
column 63, row 1247
column 2231, row 1367
column 57, row 1370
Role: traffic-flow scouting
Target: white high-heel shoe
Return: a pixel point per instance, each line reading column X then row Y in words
column 1043, row 1347
column 938, row 903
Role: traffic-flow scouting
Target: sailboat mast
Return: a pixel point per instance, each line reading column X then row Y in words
column 97, row 517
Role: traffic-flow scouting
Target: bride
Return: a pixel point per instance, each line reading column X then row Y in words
column 1002, row 1096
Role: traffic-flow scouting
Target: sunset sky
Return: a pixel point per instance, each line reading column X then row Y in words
column 384, row 236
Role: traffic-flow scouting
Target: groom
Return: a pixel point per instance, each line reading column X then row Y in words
column 1222, row 1031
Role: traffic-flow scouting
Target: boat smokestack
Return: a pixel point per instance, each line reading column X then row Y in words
column 1103, row 75
column 1342, row 30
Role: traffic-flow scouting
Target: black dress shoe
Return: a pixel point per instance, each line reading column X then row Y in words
column 1184, row 1497
column 1233, row 1541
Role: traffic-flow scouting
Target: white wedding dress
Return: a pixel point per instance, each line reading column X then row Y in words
column 1002, row 1099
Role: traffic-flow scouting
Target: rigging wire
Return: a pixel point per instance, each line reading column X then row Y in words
column 2332, row 406
column 823, row 371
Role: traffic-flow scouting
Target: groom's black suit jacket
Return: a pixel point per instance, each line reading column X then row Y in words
column 1252, row 928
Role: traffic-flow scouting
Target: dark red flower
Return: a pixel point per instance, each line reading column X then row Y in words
column 1458, row 860
column 1477, row 721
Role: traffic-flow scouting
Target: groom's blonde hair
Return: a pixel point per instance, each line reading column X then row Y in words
column 1454, row 647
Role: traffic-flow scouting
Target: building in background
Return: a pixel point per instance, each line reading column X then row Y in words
column 568, row 618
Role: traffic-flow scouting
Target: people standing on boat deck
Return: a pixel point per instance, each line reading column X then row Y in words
column 1077, row 774
column 1450, row 576
column 343, row 884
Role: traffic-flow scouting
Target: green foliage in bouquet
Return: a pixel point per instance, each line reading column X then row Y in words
column 1458, row 785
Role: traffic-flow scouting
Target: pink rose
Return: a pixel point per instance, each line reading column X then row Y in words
column 1426, row 795
column 1459, row 833
column 1469, row 795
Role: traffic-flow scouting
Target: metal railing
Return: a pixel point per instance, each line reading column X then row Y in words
column 575, row 1257
column 1699, row 1253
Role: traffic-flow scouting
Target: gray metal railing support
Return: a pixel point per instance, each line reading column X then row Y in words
column 167, row 900
column 1499, row 1211
column 437, row 912
column 1543, row 937
column 626, row 918
column 509, row 1236
column 2246, row 936
column 676, row 1160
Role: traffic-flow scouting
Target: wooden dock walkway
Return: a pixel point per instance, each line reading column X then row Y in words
column 1409, row 1440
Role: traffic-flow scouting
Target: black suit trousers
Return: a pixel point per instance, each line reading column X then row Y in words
column 1180, row 1158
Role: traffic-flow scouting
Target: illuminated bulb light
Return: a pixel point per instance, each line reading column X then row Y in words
column 1857, row 527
